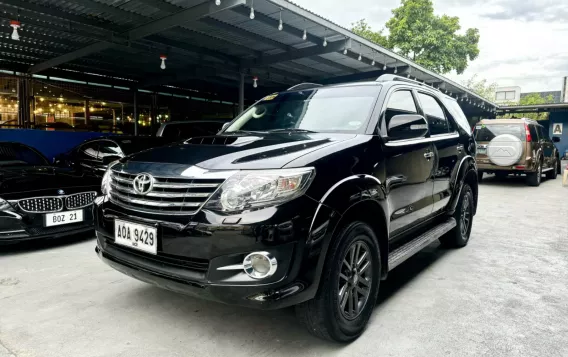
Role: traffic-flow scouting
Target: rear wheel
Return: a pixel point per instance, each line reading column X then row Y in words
column 348, row 289
column 552, row 174
column 459, row 236
column 534, row 178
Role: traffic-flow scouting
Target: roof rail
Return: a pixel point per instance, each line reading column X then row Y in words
column 304, row 86
column 394, row 77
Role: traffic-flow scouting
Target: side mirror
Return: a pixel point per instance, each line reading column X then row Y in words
column 555, row 139
column 108, row 159
column 225, row 126
column 407, row 126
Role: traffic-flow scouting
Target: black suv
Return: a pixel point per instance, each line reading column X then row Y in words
column 309, row 198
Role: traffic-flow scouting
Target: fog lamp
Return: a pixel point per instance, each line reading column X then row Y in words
column 260, row 265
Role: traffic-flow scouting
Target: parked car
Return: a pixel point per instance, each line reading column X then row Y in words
column 94, row 155
column 516, row 146
column 178, row 130
column 310, row 197
column 41, row 201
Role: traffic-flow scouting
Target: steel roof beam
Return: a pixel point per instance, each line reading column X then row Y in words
column 370, row 75
column 297, row 54
column 164, row 23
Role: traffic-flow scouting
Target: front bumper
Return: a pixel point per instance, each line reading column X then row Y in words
column 18, row 227
column 190, row 254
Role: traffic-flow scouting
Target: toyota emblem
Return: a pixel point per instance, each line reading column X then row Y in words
column 143, row 184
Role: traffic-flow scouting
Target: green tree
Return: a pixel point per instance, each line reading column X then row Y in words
column 363, row 29
column 430, row 40
column 481, row 87
column 531, row 99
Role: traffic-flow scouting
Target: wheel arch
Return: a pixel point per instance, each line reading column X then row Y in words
column 358, row 197
column 466, row 173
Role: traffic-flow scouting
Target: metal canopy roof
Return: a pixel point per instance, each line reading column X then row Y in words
column 207, row 46
column 536, row 108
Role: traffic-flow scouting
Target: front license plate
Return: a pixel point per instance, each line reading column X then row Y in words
column 60, row 218
column 137, row 236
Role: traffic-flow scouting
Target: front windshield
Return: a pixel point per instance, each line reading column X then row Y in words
column 338, row 109
column 17, row 155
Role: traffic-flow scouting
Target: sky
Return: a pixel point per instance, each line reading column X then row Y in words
column 523, row 42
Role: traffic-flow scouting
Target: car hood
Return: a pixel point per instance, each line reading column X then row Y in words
column 236, row 152
column 33, row 181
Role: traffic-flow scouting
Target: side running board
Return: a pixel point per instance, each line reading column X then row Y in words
column 399, row 255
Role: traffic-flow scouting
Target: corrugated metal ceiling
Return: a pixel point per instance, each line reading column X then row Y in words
column 51, row 28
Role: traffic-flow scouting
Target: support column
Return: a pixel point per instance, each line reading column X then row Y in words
column 24, row 113
column 135, row 115
column 153, row 112
column 242, row 93
column 87, row 112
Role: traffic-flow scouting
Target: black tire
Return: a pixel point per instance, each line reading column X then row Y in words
column 534, row 178
column 552, row 174
column 459, row 236
column 479, row 176
column 324, row 315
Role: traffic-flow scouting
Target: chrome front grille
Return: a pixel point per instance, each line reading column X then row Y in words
column 41, row 204
column 169, row 196
column 50, row 204
column 80, row 200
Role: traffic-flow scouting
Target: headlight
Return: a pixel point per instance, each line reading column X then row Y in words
column 105, row 184
column 260, row 188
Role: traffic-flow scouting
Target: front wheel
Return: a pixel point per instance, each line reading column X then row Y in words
column 349, row 286
column 459, row 236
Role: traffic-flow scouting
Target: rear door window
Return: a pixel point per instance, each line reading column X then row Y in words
column 487, row 132
column 434, row 114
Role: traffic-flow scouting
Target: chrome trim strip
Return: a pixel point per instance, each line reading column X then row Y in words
column 232, row 267
column 151, row 211
column 10, row 232
column 155, row 203
column 159, row 184
column 160, row 194
column 431, row 139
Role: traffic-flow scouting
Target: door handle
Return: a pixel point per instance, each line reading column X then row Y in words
column 428, row 155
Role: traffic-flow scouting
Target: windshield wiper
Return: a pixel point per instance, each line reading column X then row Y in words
column 291, row 130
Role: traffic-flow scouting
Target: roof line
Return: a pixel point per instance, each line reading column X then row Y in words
column 345, row 32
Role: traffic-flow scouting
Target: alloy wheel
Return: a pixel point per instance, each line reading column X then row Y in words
column 355, row 279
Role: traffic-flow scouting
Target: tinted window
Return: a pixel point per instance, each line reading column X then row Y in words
column 487, row 132
column 108, row 148
column 188, row 130
column 457, row 113
column 400, row 102
column 337, row 109
column 434, row 114
column 15, row 155
column 541, row 134
column 89, row 151
column 533, row 132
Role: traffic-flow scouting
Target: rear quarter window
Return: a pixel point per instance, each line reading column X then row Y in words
column 487, row 132
column 457, row 113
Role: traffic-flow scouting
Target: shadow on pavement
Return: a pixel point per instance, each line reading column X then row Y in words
column 41, row 244
column 280, row 326
column 513, row 181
